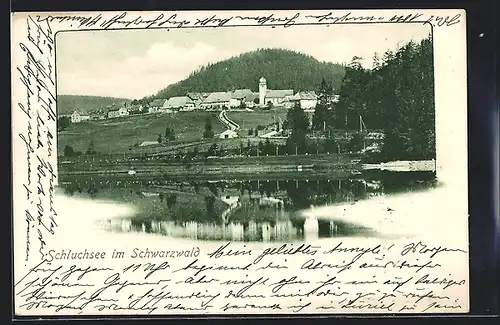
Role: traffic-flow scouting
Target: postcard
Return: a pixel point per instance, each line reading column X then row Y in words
column 239, row 162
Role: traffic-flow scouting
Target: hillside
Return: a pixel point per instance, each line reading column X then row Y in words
column 67, row 104
column 283, row 69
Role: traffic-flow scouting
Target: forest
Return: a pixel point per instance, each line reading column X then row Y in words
column 396, row 97
column 283, row 69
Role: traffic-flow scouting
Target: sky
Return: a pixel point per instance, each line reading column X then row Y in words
column 137, row 63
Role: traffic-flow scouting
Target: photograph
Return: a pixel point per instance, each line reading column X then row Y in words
column 224, row 163
column 245, row 134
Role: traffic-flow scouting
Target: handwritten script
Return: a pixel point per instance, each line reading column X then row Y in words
column 133, row 20
column 288, row 278
column 37, row 79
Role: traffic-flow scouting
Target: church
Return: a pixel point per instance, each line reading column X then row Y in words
column 275, row 97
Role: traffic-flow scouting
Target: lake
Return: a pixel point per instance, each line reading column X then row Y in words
column 249, row 210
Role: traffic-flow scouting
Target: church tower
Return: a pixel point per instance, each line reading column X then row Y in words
column 262, row 91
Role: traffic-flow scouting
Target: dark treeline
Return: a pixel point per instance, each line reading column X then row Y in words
column 396, row 96
column 283, row 69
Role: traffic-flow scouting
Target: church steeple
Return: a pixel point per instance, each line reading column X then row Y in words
column 262, row 91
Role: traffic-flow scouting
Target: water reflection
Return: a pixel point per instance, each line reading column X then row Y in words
column 279, row 230
column 239, row 210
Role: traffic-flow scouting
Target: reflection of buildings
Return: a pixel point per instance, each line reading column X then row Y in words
column 236, row 231
column 279, row 230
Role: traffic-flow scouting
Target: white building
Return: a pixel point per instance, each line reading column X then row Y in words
column 149, row 143
column 239, row 96
column 307, row 99
column 76, row 117
column 123, row 111
column 155, row 106
column 182, row 103
column 274, row 96
column 228, row 134
column 114, row 113
column 217, row 100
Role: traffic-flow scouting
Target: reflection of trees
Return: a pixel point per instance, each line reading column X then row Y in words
column 70, row 190
column 92, row 191
column 213, row 188
column 299, row 194
column 171, row 200
column 269, row 188
column 402, row 181
column 210, row 206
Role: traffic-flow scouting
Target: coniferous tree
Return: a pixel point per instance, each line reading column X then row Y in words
column 208, row 133
column 298, row 123
column 322, row 113
column 395, row 96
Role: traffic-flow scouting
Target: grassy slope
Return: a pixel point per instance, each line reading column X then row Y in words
column 118, row 135
column 250, row 120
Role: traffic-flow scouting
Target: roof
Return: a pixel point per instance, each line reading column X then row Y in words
column 157, row 103
column 177, row 101
column 306, row 95
column 114, row 110
column 262, row 79
column 279, row 93
column 241, row 93
column 218, row 97
column 148, row 143
column 195, row 96
column 229, row 132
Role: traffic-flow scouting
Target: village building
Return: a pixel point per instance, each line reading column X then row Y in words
column 217, row 100
column 149, row 143
column 307, row 99
column 155, row 106
column 228, row 134
column 123, row 111
column 120, row 112
column 135, row 109
column 182, row 103
column 288, row 102
column 97, row 115
column 239, row 96
column 275, row 97
column 76, row 117
column 197, row 98
column 113, row 113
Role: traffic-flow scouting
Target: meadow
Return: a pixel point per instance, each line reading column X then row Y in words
column 123, row 135
column 120, row 135
column 251, row 120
